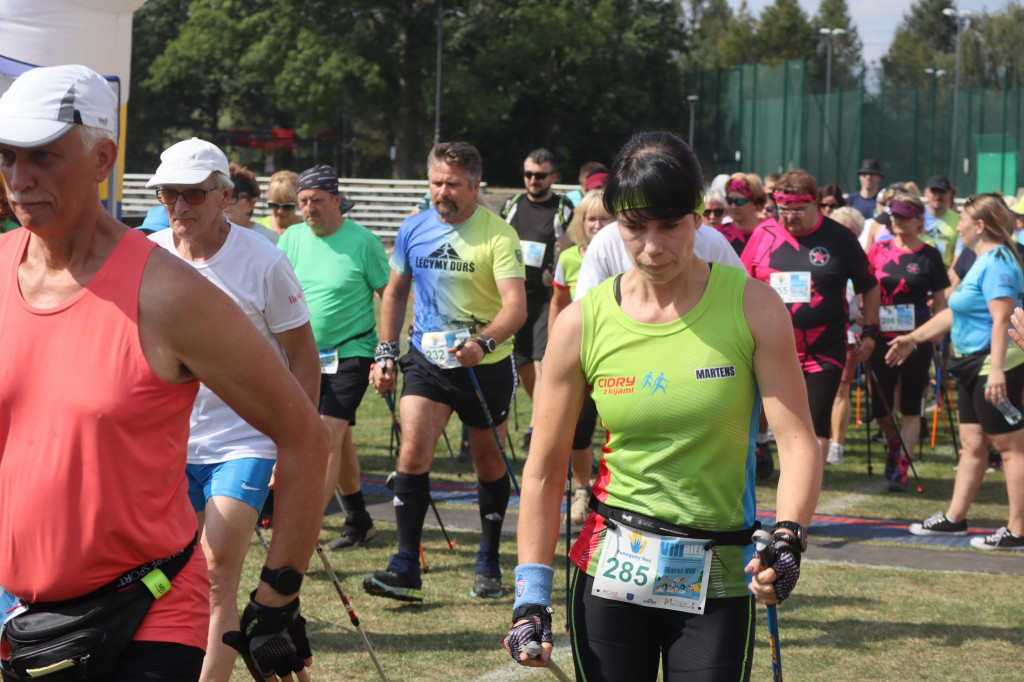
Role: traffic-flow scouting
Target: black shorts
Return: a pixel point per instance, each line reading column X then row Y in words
column 453, row 387
column 614, row 640
column 585, row 423
column 532, row 338
column 341, row 392
column 974, row 409
column 821, row 393
column 155, row 662
column 913, row 372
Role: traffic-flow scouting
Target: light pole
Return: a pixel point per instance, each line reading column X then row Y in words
column 691, row 100
column 437, row 90
column 934, row 73
column 962, row 17
column 829, row 34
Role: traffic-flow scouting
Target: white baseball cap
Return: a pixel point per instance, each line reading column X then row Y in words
column 189, row 163
column 42, row 104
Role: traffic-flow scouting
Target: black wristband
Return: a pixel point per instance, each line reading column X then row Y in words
column 869, row 331
column 386, row 350
column 784, row 542
column 529, row 610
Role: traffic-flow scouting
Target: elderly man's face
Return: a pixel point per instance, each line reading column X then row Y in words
column 195, row 210
column 320, row 209
column 54, row 181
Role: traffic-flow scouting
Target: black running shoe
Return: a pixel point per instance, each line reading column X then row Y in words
column 487, row 586
column 391, row 585
column 764, row 464
column 351, row 537
column 1001, row 539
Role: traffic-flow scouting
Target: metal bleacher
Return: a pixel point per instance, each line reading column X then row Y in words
column 380, row 205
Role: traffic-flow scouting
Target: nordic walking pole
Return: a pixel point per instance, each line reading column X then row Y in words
column 858, row 395
column 568, row 533
column 390, row 483
column 532, row 650
column 494, row 429
column 867, row 425
column 348, row 607
column 259, row 534
column 451, row 453
column 762, row 541
column 892, row 420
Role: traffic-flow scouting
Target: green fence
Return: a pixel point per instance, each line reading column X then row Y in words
column 761, row 119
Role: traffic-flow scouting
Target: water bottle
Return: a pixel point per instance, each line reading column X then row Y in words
column 1010, row 413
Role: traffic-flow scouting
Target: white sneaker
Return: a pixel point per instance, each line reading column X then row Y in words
column 835, row 453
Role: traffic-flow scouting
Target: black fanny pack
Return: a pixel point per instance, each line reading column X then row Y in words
column 641, row 522
column 967, row 367
column 83, row 638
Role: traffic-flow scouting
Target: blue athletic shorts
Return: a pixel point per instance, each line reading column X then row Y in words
column 246, row 479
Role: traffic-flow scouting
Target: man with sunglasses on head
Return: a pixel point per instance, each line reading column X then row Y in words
column 340, row 265
column 105, row 339
column 541, row 218
column 230, row 463
column 807, row 258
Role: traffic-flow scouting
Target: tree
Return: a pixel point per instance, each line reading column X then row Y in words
column 740, row 43
column 925, row 36
column 784, row 32
column 706, row 28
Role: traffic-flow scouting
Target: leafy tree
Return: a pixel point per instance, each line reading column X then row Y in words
column 740, row 43
column 784, row 32
column 925, row 36
column 706, row 27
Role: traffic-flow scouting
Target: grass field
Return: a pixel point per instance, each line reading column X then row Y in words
column 844, row 622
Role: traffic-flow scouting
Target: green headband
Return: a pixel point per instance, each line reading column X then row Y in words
column 637, row 200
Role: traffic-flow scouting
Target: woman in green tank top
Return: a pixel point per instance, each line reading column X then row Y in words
column 678, row 356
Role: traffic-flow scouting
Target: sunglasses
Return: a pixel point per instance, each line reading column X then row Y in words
column 714, row 212
column 530, row 175
column 739, row 201
column 795, row 210
column 829, row 205
column 241, row 196
column 273, row 206
column 192, row 196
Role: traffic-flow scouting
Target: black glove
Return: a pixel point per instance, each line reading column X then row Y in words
column 783, row 554
column 274, row 638
column 537, row 629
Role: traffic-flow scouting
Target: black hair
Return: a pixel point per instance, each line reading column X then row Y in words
column 655, row 176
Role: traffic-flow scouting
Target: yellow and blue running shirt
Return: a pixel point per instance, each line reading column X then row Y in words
column 680, row 404
column 454, row 269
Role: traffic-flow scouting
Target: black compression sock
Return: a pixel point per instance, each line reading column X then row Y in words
column 355, row 510
column 493, row 498
column 412, row 497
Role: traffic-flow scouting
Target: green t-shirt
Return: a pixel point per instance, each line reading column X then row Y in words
column 681, row 406
column 339, row 274
column 568, row 271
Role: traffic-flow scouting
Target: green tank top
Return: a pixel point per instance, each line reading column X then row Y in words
column 681, row 406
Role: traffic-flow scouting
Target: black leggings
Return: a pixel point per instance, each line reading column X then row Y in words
column 913, row 372
column 613, row 640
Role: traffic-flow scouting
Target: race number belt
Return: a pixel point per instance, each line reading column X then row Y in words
column 640, row 521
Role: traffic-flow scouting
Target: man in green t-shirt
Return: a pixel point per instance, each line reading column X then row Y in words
column 339, row 264
column 941, row 217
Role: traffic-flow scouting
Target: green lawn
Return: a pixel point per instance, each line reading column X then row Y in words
column 845, row 622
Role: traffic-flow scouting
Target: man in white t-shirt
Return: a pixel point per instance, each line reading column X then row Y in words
column 230, row 463
column 606, row 256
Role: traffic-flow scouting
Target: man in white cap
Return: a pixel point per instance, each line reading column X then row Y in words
column 230, row 463
column 105, row 339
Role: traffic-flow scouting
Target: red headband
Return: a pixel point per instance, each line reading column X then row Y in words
column 739, row 186
column 793, row 198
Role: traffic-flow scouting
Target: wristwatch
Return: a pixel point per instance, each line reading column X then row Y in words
column 799, row 531
column 486, row 343
column 285, row 581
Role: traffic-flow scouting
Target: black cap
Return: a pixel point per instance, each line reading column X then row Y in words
column 939, row 182
column 870, row 166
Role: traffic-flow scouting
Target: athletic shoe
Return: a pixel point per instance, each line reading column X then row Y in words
column 351, row 537
column 939, row 524
column 487, row 586
column 527, row 437
column 580, row 506
column 764, row 465
column 892, row 455
column 835, row 453
column 898, row 482
column 995, row 461
column 391, row 585
column 879, row 436
column 1001, row 539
